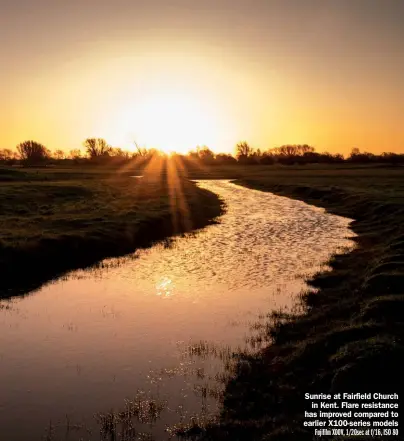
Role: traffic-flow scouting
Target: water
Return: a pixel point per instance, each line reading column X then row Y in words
column 84, row 344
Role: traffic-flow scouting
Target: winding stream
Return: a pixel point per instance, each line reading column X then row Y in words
column 83, row 344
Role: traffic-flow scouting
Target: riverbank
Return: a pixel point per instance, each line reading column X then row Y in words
column 351, row 337
column 55, row 222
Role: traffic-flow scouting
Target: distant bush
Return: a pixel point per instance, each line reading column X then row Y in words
column 224, row 158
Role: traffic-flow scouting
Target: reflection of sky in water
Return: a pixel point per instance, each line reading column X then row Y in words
column 84, row 344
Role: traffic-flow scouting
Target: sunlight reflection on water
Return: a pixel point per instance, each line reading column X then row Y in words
column 85, row 343
column 165, row 287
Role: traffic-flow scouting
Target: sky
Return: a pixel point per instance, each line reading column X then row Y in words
column 177, row 74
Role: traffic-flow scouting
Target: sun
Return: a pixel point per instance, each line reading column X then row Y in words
column 167, row 118
column 177, row 121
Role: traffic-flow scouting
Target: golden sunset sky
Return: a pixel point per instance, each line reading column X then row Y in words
column 175, row 74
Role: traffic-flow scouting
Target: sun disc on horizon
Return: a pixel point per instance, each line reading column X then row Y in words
column 176, row 121
column 170, row 119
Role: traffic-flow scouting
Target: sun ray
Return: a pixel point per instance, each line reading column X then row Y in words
column 179, row 206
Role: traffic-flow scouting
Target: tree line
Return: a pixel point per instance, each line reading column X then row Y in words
column 97, row 150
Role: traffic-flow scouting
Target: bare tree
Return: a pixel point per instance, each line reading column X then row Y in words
column 97, row 147
column 243, row 150
column 290, row 151
column 7, row 155
column 304, row 149
column 119, row 153
column 32, row 152
column 141, row 151
column 75, row 154
column 59, row 154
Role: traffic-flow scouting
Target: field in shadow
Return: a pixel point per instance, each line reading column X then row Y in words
column 56, row 221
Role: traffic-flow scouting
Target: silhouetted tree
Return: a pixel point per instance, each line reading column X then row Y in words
column 296, row 153
column 192, row 154
column 358, row 157
column 205, row 154
column 75, row 154
column 141, row 152
column 391, row 158
column 303, row 149
column 33, row 152
column 7, row 155
column 243, row 150
column 337, row 157
column 59, row 154
column 330, row 158
column 267, row 158
column 224, row 158
column 118, row 153
column 97, row 147
column 355, row 151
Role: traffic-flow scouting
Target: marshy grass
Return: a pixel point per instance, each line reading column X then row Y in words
column 194, row 428
column 205, row 349
column 114, row 425
column 143, row 408
column 137, row 418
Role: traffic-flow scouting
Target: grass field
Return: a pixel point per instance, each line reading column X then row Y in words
column 57, row 220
